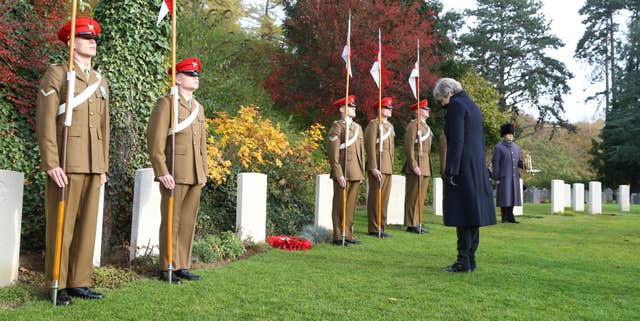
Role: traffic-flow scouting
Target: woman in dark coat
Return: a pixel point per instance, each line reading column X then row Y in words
column 468, row 196
column 506, row 161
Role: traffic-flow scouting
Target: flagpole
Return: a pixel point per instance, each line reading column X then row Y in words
column 420, row 200
column 65, row 135
column 346, row 134
column 172, row 139
column 380, row 132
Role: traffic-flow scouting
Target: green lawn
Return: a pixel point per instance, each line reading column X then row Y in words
column 561, row 267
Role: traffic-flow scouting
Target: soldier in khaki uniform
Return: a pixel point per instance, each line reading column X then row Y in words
column 379, row 165
column 348, row 177
column 191, row 167
column 87, row 160
column 417, row 144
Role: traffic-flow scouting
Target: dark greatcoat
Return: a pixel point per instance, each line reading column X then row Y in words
column 470, row 203
column 505, row 170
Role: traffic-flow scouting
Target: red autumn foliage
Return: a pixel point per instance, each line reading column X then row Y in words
column 310, row 75
column 28, row 33
column 289, row 243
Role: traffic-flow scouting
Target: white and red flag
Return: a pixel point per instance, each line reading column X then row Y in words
column 414, row 77
column 378, row 69
column 346, row 52
column 165, row 8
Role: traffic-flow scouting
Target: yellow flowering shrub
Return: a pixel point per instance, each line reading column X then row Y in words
column 257, row 145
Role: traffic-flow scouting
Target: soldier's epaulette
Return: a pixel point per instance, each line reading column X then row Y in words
column 55, row 65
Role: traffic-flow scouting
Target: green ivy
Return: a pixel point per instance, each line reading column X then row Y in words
column 134, row 56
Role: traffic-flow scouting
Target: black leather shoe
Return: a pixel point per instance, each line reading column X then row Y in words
column 417, row 230
column 456, row 267
column 84, row 293
column 339, row 242
column 354, row 241
column 187, row 275
column 63, row 297
column 164, row 276
column 514, row 221
column 382, row 235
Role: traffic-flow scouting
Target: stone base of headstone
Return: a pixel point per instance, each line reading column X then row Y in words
column 11, row 191
column 595, row 198
column 567, row 195
column 395, row 208
column 324, row 201
column 623, row 198
column 97, row 248
column 438, row 193
column 251, row 211
column 577, row 197
column 557, row 196
column 145, row 221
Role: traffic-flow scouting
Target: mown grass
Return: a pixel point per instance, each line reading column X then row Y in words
column 551, row 267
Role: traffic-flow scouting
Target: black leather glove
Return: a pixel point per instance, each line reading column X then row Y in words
column 521, row 164
column 451, row 180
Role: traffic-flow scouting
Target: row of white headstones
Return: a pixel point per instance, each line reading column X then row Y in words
column 251, row 210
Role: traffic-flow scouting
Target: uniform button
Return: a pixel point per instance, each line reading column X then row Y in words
column 90, row 100
column 91, row 113
column 90, row 126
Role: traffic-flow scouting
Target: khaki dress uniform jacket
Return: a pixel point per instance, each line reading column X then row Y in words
column 354, row 173
column 383, row 162
column 87, row 158
column 412, row 204
column 190, row 172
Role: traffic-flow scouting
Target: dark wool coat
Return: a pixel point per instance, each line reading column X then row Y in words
column 470, row 202
column 505, row 172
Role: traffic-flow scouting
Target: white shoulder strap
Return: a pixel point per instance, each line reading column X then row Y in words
column 84, row 95
column 352, row 139
column 187, row 122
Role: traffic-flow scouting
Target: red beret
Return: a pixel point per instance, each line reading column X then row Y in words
column 85, row 28
column 189, row 66
column 351, row 100
column 387, row 102
column 423, row 104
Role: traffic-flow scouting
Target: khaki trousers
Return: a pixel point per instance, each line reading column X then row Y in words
column 82, row 196
column 372, row 201
column 186, row 200
column 412, row 206
column 336, row 214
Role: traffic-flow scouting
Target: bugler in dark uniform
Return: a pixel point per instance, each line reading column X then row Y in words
column 86, row 163
column 191, row 166
column 348, row 177
column 417, row 167
column 506, row 161
column 379, row 165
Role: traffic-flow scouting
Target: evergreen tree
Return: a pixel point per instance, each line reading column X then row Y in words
column 598, row 45
column 507, row 45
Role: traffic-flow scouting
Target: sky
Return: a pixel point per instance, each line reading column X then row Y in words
column 566, row 24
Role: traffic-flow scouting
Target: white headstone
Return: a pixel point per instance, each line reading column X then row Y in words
column 519, row 210
column 395, row 208
column 324, row 199
column 567, row 195
column 557, row 196
column 437, row 196
column 577, row 197
column 11, row 191
column 97, row 247
column 251, row 211
column 595, row 198
column 145, row 221
column 623, row 197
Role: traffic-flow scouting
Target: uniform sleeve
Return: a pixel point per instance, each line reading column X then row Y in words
column 409, row 141
column 105, row 127
column 495, row 163
column 454, row 122
column 203, row 148
column 47, row 102
column 370, row 136
column 157, row 130
column 333, row 150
